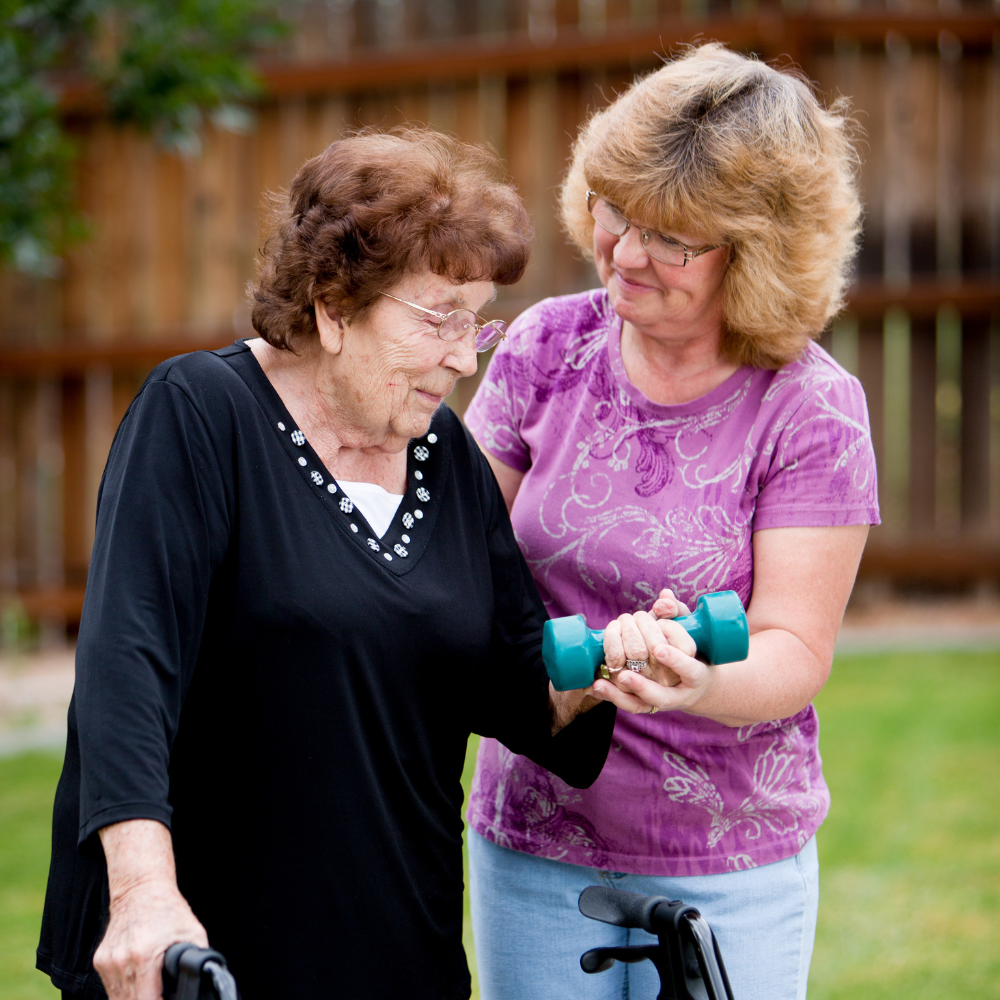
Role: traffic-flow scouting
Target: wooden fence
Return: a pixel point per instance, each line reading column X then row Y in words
column 174, row 239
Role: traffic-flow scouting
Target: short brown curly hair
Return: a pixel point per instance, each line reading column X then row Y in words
column 375, row 207
column 741, row 154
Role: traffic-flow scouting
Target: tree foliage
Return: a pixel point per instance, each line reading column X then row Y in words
column 161, row 65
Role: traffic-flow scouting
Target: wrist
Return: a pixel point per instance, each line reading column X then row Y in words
column 123, row 891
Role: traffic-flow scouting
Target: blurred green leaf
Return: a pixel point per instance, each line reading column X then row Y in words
column 161, row 65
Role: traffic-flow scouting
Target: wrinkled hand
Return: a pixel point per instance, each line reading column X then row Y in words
column 567, row 705
column 145, row 920
column 672, row 678
column 668, row 606
column 623, row 640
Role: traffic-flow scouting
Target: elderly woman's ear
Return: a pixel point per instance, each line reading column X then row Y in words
column 330, row 326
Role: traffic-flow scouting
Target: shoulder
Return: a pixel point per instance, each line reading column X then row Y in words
column 555, row 340
column 202, row 381
column 200, row 371
column 556, row 320
column 815, row 379
column 196, row 397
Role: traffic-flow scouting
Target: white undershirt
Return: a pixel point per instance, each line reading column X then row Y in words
column 379, row 506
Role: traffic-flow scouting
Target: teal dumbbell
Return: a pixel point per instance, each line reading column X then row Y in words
column 573, row 653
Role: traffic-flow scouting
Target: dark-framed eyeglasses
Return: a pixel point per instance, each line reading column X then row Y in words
column 658, row 246
column 456, row 324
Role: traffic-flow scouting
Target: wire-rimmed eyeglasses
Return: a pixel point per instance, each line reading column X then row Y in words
column 456, row 324
column 658, row 246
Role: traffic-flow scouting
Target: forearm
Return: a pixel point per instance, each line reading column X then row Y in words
column 565, row 706
column 778, row 679
column 147, row 911
column 139, row 852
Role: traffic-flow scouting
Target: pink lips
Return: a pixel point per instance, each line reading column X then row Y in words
column 631, row 286
column 430, row 397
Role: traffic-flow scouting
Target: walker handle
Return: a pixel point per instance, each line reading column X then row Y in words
column 193, row 973
column 620, row 908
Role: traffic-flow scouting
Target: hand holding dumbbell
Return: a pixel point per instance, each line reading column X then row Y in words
column 574, row 653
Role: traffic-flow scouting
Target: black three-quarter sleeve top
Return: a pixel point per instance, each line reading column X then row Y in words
column 291, row 695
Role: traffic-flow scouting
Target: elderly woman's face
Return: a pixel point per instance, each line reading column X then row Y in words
column 393, row 368
column 661, row 300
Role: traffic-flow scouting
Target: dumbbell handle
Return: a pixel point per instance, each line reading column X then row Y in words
column 573, row 653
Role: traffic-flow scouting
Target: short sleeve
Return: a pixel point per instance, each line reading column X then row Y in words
column 162, row 531
column 822, row 466
column 495, row 414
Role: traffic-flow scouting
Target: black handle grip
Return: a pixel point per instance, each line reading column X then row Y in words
column 623, row 909
column 706, row 949
column 193, row 973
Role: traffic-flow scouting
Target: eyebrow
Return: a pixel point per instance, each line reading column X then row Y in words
column 458, row 299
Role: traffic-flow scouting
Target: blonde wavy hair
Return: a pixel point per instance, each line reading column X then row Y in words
column 729, row 148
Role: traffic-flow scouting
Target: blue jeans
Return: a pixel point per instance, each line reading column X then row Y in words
column 530, row 933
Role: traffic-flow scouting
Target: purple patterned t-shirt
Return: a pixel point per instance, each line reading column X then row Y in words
column 622, row 497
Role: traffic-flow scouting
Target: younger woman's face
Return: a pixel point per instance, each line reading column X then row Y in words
column 660, row 300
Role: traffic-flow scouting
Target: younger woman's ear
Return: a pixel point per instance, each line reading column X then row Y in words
column 330, row 325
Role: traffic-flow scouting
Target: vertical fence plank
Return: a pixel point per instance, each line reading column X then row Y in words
column 467, row 126
column 948, row 404
column 331, row 120
column 994, row 426
column 99, row 430
column 442, row 108
column 27, row 505
column 844, row 342
column 975, row 425
column 993, row 129
column 924, row 95
column 110, row 278
column 923, row 424
column 541, row 183
column 492, row 93
column 570, row 273
column 8, row 489
column 949, row 130
column 169, row 195
column 143, row 236
column 218, row 211
column 896, row 408
column 76, row 551
column 871, row 108
column 48, row 492
column 518, row 124
column 895, row 200
column 870, row 368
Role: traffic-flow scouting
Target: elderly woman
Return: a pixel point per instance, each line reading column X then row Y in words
column 304, row 594
column 678, row 428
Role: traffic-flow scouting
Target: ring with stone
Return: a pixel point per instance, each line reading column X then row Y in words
column 636, row 665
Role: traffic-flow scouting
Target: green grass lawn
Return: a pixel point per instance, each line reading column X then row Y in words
column 27, row 784
column 910, row 855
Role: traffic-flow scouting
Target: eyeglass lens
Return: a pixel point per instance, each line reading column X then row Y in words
column 458, row 323
column 490, row 335
column 608, row 217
